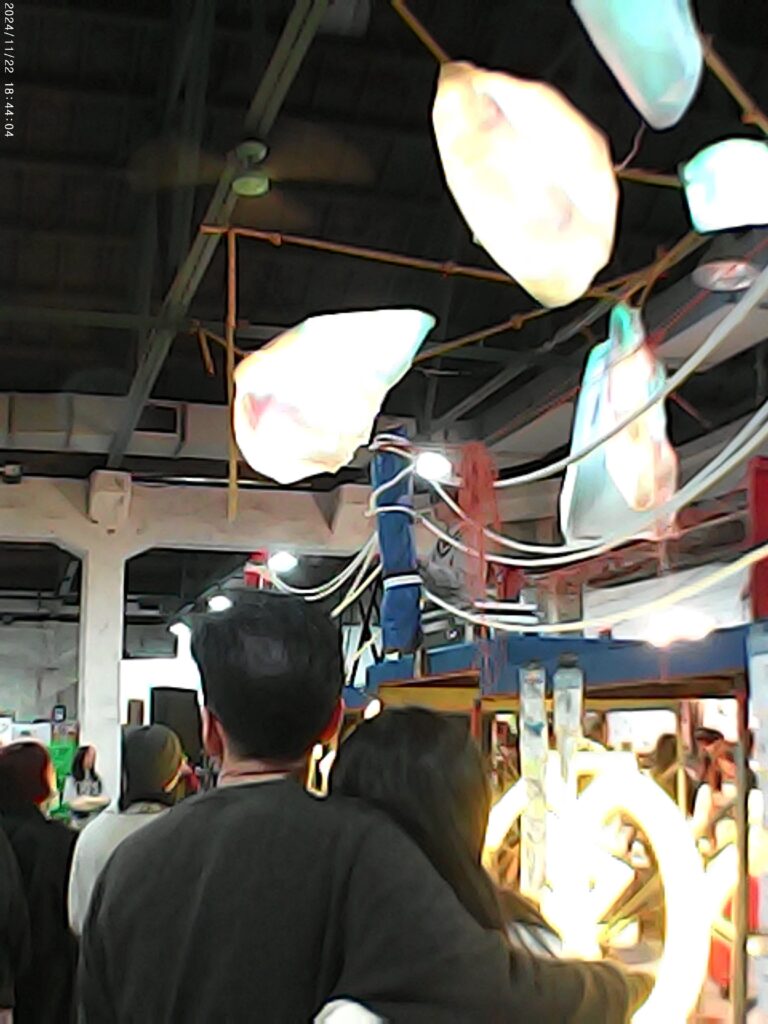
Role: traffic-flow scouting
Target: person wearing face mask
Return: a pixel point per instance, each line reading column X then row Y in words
column 152, row 766
column 43, row 850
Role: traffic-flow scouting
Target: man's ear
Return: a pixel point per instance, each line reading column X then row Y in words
column 334, row 723
column 213, row 740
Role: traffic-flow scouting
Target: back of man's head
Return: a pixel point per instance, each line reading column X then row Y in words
column 271, row 670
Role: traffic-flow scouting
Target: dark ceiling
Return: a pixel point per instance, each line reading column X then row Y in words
column 94, row 83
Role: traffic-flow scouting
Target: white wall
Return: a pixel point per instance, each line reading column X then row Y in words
column 139, row 675
column 38, row 668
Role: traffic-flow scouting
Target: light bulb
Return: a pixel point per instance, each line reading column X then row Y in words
column 219, row 603
column 282, row 562
column 433, row 466
column 372, row 708
column 675, row 624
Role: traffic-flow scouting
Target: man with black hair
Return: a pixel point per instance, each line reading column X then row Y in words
column 257, row 902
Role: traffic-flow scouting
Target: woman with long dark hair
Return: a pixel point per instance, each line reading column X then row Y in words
column 424, row 771
column 83, row 788
column 43, row 849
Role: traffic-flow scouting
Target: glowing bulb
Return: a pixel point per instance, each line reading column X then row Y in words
column 678, row 623
column 532, row 177
column 219, row 603
column 725, row 185
column 372, row 708
column 282, row 562
column 180, row 630
column 433, row 466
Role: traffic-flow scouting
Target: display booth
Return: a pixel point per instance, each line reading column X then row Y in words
column 483, row 678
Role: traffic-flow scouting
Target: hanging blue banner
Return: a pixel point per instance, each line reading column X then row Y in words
column 400, row 611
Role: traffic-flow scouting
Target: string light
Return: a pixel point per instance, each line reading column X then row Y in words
column 433, row 466
column 282, row 562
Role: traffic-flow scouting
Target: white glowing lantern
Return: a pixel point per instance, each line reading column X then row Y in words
column 636, row 469
column 532, row 177
column 654, row 50
column 305, row 402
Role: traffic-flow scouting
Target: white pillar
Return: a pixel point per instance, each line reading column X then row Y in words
column 100, row 652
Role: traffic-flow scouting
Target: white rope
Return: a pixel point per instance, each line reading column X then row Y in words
column 751, row 436
column 406, row 471
column 659, row 603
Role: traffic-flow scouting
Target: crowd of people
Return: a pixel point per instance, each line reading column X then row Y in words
column 258, row 901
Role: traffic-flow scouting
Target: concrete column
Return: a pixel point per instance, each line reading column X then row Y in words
column 100, row 651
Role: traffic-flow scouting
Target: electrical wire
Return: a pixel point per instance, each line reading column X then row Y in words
column 355, row 592
column 614, row 618
column 733, row 454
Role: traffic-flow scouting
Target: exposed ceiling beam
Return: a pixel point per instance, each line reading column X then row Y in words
column 508, row 374
column 52, row 316
column 47, row 89
column 71, row 235
column 300, row 29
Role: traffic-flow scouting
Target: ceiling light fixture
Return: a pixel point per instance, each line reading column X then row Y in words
column 433, row 466
column 282, row 562
column 251, row 181
column 219, row 603
column 724, row 267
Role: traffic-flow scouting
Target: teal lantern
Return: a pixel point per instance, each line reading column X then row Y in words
column 653, row 49
column 726, row 185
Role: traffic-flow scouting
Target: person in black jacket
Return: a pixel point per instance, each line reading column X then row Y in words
column 259, row 902
column 43, row 851
column 426, row 772
column 14, row 928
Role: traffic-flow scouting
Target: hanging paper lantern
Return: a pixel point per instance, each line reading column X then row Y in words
column 305, row 402
column 636, row 470
column 653, row 49
column 532, row 177
column 726, row 185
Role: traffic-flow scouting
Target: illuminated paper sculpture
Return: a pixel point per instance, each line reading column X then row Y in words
column 635, row 471
column 305, row 402
column 725, row 185
column 653, row 49
column 532, row 177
